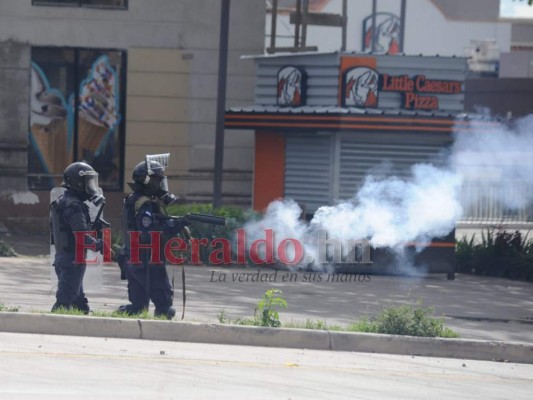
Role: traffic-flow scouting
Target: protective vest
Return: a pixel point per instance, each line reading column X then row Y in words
column 130, row 207
column 62, row 235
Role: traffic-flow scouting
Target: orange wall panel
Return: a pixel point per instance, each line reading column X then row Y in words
column 269, row 169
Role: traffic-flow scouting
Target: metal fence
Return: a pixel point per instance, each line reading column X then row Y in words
column 492, row 202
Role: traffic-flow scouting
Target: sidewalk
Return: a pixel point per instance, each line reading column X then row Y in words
column 476, row 307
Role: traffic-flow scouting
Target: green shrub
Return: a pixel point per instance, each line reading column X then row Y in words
column 266, row 313
column 396, row 320
column 222, row 317
column 464, row 255
column 6, row 250
column 411, row 321
column 500, row 253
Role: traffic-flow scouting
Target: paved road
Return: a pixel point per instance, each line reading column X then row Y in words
column 56, row 367
column 481, row 308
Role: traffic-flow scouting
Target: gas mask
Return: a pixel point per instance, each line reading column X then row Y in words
column 167, row 198
column 162, row 191
column 92, row 190
column 97, row 200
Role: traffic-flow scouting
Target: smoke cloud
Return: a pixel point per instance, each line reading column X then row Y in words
column 488, row 159
column 496, row 163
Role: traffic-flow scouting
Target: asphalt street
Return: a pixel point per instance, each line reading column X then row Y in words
column 476, row 307
column 57, row 367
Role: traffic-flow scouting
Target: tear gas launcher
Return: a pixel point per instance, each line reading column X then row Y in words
column 181, row 222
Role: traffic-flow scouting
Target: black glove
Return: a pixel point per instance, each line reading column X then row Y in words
column 121, row 260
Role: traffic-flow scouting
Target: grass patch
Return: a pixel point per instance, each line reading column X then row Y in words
column 316, row 325
column 409, row 320
column 6, row 250
column 8, row 309
column 108, row 314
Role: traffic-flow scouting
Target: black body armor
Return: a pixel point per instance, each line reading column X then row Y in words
column 66, row 212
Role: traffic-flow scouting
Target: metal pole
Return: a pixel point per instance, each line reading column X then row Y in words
column 344, row 23
column 274, row 18
column 221, row 103
column 77, row 85
column 374, row 10
column 402, row 25
column 297, row 24
column 304, row 22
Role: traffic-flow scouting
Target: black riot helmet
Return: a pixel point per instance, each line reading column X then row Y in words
column 81, row 178
column 150, row 176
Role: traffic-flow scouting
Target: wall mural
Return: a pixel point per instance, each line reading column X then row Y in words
column 51, row 123
column 53, row 130
column 98, row 114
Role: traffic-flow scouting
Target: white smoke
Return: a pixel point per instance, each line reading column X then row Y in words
column 498, row 159
column 283, row 218
column 392, row 212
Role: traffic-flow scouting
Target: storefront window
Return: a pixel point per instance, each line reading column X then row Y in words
column 120, row 4
column 77, row 113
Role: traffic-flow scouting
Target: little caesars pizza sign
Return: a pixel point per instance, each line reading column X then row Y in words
column 418, row 91
column 363, row 85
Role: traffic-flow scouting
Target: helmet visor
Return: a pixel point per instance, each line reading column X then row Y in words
column 91, row 184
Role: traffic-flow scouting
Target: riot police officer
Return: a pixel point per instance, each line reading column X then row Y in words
column 142, row 211
column 70, row 214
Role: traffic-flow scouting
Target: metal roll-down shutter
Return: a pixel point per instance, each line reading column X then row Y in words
column 308, row 170
column 384, row 155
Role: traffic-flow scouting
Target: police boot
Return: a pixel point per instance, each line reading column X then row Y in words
column 129, row 309
column 169, row 313
column 82, row 305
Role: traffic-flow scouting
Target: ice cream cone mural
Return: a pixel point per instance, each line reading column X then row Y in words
column 98, row 113
column 49, row 127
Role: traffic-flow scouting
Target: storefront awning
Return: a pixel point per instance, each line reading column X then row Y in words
column 341, row 118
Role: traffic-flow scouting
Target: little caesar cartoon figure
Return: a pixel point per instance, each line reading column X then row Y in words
column 361, row 87
column 146, row 232
column 72, row 232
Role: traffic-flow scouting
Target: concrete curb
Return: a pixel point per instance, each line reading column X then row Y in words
column 48, row 324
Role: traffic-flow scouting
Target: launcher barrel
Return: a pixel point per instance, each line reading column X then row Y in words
column 206, row 219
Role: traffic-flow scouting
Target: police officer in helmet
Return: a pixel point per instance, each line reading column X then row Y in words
column 70, row 214
column 147, row 280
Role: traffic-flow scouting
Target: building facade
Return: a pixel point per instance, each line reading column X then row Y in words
column 325, row 122
column 348, row 114
column 108, row 81
column 445, row 27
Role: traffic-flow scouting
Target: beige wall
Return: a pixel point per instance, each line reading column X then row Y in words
column 172, row 51
column 171, row 107
column 157, row 111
